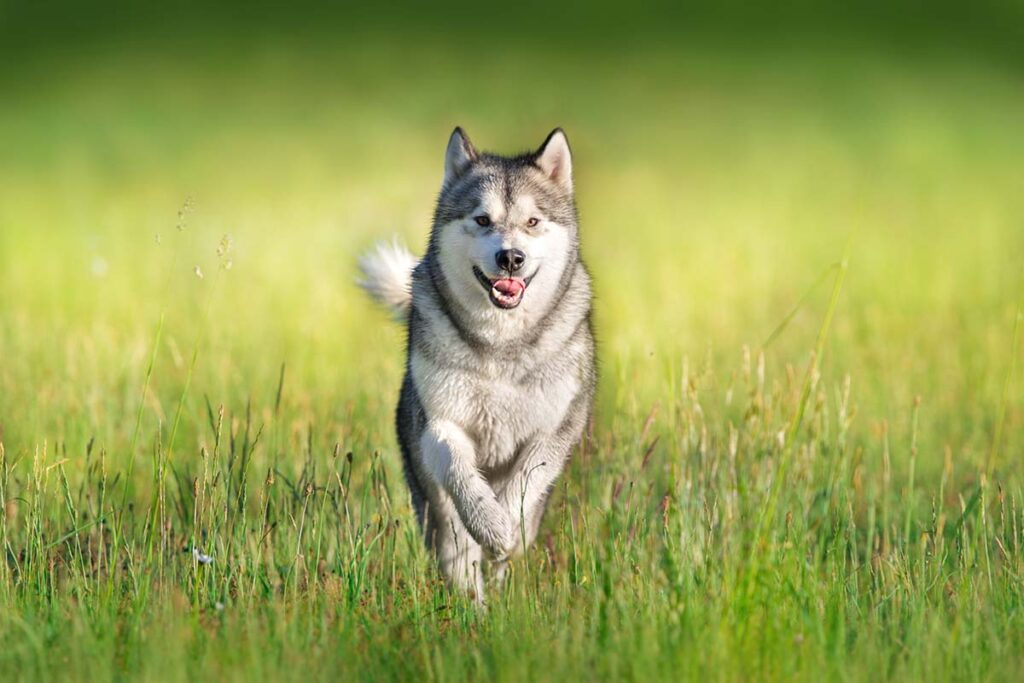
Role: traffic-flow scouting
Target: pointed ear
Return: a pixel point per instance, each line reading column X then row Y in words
column 459, row 155
column 555, row 160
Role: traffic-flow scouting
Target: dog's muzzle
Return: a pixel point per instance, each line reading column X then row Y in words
column 506, row 292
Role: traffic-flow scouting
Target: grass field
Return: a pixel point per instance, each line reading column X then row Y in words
column 805, row 460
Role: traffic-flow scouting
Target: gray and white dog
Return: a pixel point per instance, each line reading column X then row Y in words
column 500, row 372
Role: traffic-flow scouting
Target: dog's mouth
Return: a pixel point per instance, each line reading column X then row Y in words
column 506, row 292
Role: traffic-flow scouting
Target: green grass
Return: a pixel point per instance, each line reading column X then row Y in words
column 835, row 493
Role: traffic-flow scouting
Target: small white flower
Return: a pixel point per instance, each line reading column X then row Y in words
column 199, row 272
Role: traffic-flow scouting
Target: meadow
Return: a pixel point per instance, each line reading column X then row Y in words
column 805, row 458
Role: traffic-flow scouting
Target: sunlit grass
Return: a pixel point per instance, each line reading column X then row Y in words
column 748, row 503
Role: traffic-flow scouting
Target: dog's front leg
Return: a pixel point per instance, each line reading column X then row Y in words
column 526, row 489
column 450, row 458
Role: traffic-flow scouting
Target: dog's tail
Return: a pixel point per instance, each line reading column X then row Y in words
column 387, row 275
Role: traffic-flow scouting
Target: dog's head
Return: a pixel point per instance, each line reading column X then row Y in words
column 505, row 228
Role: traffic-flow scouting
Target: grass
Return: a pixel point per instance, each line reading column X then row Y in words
column 805, row 458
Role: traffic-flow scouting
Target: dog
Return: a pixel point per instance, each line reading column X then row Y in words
column 500, row 371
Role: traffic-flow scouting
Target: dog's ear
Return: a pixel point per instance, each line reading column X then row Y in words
column 555, row 160
column 459, row 155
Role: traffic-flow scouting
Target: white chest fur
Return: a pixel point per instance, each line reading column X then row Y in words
column 498, row 405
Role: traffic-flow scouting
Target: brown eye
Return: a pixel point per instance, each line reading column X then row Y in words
column 483, row 221
column 532, row 223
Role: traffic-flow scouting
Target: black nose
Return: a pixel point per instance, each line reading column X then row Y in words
column 510, row 260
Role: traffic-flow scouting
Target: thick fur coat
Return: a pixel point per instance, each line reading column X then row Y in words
column 500, row 372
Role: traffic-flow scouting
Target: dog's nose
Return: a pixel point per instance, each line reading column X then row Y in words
column 510, row 260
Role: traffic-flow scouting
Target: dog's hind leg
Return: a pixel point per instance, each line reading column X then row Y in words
column 529, row 526
column 459, row 556
column 525, row 491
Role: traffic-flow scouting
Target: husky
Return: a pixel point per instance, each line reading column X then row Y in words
column 500, row 371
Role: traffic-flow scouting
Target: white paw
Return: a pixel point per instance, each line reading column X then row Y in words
column 499, row 537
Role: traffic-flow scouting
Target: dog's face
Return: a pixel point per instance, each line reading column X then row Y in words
column 505, row 230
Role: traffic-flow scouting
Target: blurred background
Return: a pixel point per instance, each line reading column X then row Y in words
column 726, row 155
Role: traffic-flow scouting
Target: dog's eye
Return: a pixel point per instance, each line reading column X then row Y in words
column 532, row 223
column 483, row 221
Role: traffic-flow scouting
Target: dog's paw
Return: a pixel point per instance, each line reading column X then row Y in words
column 497, row 535
column 509, row 547
column 502, row 547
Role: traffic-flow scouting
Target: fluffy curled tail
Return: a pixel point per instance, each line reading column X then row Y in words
column 387, row 275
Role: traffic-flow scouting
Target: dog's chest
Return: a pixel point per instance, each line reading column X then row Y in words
column 498, row 408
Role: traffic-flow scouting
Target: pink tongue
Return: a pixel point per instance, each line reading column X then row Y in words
column 509, row 287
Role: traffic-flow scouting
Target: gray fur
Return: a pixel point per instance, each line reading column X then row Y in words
column 493, row 401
